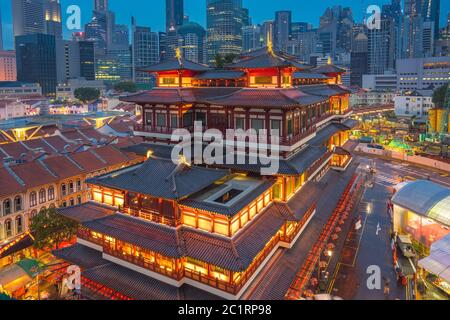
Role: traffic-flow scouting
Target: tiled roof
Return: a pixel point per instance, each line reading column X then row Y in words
column 40, row 143
column 159, row 150
column 323, row 135
column 88, row 161
column 308, row 75
column 325, row 90
column 152, row 236
column 167, row 181
column 62, row 167
column 267, row 98
column 329, row 68
column 265, row 59
column 33, row 174
column 177, row 95
column 111, row 155
column 86, row 212
column 8, row 184
column 56, row 142
column 351, row 123
column 15, row 150
column 302, row 201
column 175, row 64
column 229, row 210
column 221, row 74
column 82, row 256
column 230, row 253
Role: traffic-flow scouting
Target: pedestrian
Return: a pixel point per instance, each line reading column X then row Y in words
column 387, row 288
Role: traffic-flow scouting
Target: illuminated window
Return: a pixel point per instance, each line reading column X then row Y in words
column 17, row 204
column 51, row 193
column 42, row 196
column 33, row 199
column 263, row 80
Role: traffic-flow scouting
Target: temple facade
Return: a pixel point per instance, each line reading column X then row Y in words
column 174, row 226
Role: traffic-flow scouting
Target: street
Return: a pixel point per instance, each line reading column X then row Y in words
column 370, row 245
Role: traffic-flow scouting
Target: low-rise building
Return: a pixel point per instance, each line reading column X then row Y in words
column 10, row 89
column 57, row 181
column 67, row 90
column 380, row 82
column 423, row 73
column 421, row 210
column 11, row 108
column 365, row 97
column 413, row 104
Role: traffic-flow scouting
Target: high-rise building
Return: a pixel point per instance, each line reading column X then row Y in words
column 192, row 41
column 67, row 60
column 303, row 45
column 174, row 14
column 224, row 27
column 381, row 47
column 359, row 59
column 251, row 38
column 267, row 32
column 53, row 24
column 336, row 30
column 101, row 5
column 87, row 59
column 431, row 11
column 1, row 31
column 442, row 46
column 283, row 28
column 8, row 66
column 145, row 51
column 28, row 17
column 36, row 61
column 246, row 19
column 299, row 27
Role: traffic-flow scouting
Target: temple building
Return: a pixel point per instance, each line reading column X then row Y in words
column 174, row 229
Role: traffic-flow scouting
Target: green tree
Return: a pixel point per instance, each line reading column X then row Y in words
column 86, row 95
column 229, row 58
column 50, row 229
column 126, row 86
column 439, row 96
column 219, row 61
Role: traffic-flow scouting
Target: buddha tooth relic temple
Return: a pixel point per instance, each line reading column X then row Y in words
column 165, row 229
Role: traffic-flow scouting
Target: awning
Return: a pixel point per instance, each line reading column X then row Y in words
column 438, row 262
column 23, row 242
column 13, row 277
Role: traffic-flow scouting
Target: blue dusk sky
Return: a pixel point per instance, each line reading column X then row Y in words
column 152, row 12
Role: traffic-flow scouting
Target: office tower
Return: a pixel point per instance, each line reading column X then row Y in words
column 96, row 31
column 442, row 45
column 8, row 66
column 53, row 24
column 67, row 60
column 359, row 59
column 174, row 14
column 246, row 19
column 101, row 5
column 1, row 31
column 345, row 29
column 162, row 40
column 251, row 38
column 304, row 45
column 283, row 25
column 36, row 61
column 224, row 27
column 336, row 30
column 192, row 41
column 145, row 51
column 87, row 59
column 381, row 47
column 299, row 27
column 431, row 11
column 121, row 61
column 28, row 17
column 267, row 31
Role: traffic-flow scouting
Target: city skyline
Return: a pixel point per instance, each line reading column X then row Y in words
column 196, row 10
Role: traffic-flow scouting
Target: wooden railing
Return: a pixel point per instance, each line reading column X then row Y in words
column 300, row 225
column 319, row 163
column 150, row 216
column 299, row 137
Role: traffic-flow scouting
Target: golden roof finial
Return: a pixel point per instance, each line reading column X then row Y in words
column 329, row 60
column 178, row 53
column 269, row 41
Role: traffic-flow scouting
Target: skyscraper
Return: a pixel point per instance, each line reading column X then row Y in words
column 8, row 66
column 431, row 11
column 381, row 47
column 1, row 31
column 101, row 5
column 224, row 27
column 359, row 59
column 87, row 59
column 192, row 41
column 28, row 17
column 283, row 28
column 251, row 38
column 174, row 14
column 145, row 51
column 36, row 61
column 52, row 12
